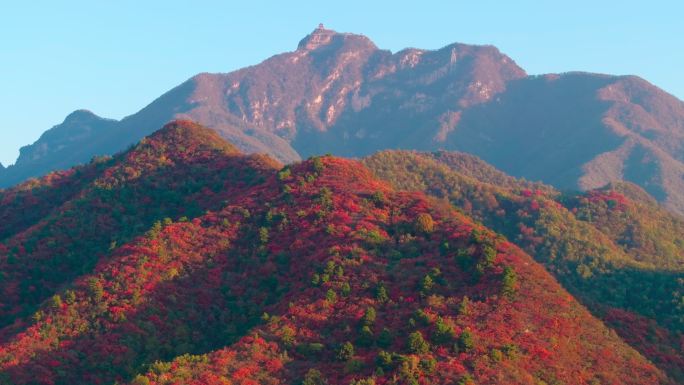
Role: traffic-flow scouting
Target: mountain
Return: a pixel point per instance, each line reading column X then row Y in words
column 182, row 260
column 589, row 129
column 614, row 248
column 338, row 93
column 71, row 143
column 59, row 227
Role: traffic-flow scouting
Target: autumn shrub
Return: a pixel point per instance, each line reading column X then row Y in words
column 510, row 351
column 287, row 335
column 424, row 223
column 140, row 380
column 466, row 379
column 496, row 355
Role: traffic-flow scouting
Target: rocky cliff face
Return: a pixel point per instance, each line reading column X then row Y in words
column 339, row 93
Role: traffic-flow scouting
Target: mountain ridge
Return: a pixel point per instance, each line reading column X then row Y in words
column 339, row 93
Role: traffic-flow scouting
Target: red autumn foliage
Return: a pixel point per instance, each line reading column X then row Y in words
column 276, row 271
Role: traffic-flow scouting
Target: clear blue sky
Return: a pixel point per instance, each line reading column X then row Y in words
column 114, row 57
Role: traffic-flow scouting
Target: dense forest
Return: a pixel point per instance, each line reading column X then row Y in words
column 183, row 261
column 614, row 248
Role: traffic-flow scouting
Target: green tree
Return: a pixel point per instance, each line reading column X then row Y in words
column 365, row 336
column 465, row 341
column 428, row 365
column 487, row 259
column 287, row 335
column 346, row 351
column 345, row 290
column 331, row 296
column 443, row 333
column 381, row 293
column 384, row 359
column 509, row 282
column 417, row 344
column 317, row 164
column 369, row 316
column 385, row 338
column 510, row 351
column 427, row 284
column 263, row 235
column 353, row 366
column 378, row 197
column 56, row 302
column 154, row 231
column 95, row 289
column 422, row 317
column 408, row 371
column 314, row 377
column 325, row 198
column 464, row 306
column 284, row 173
column 70, row 297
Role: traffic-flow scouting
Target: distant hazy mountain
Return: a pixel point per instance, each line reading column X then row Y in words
column 339, row 93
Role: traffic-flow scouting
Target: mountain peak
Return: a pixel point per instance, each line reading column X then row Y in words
column 322, row 36
column 81, row 115
column 319, row 37
column 185, row 134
